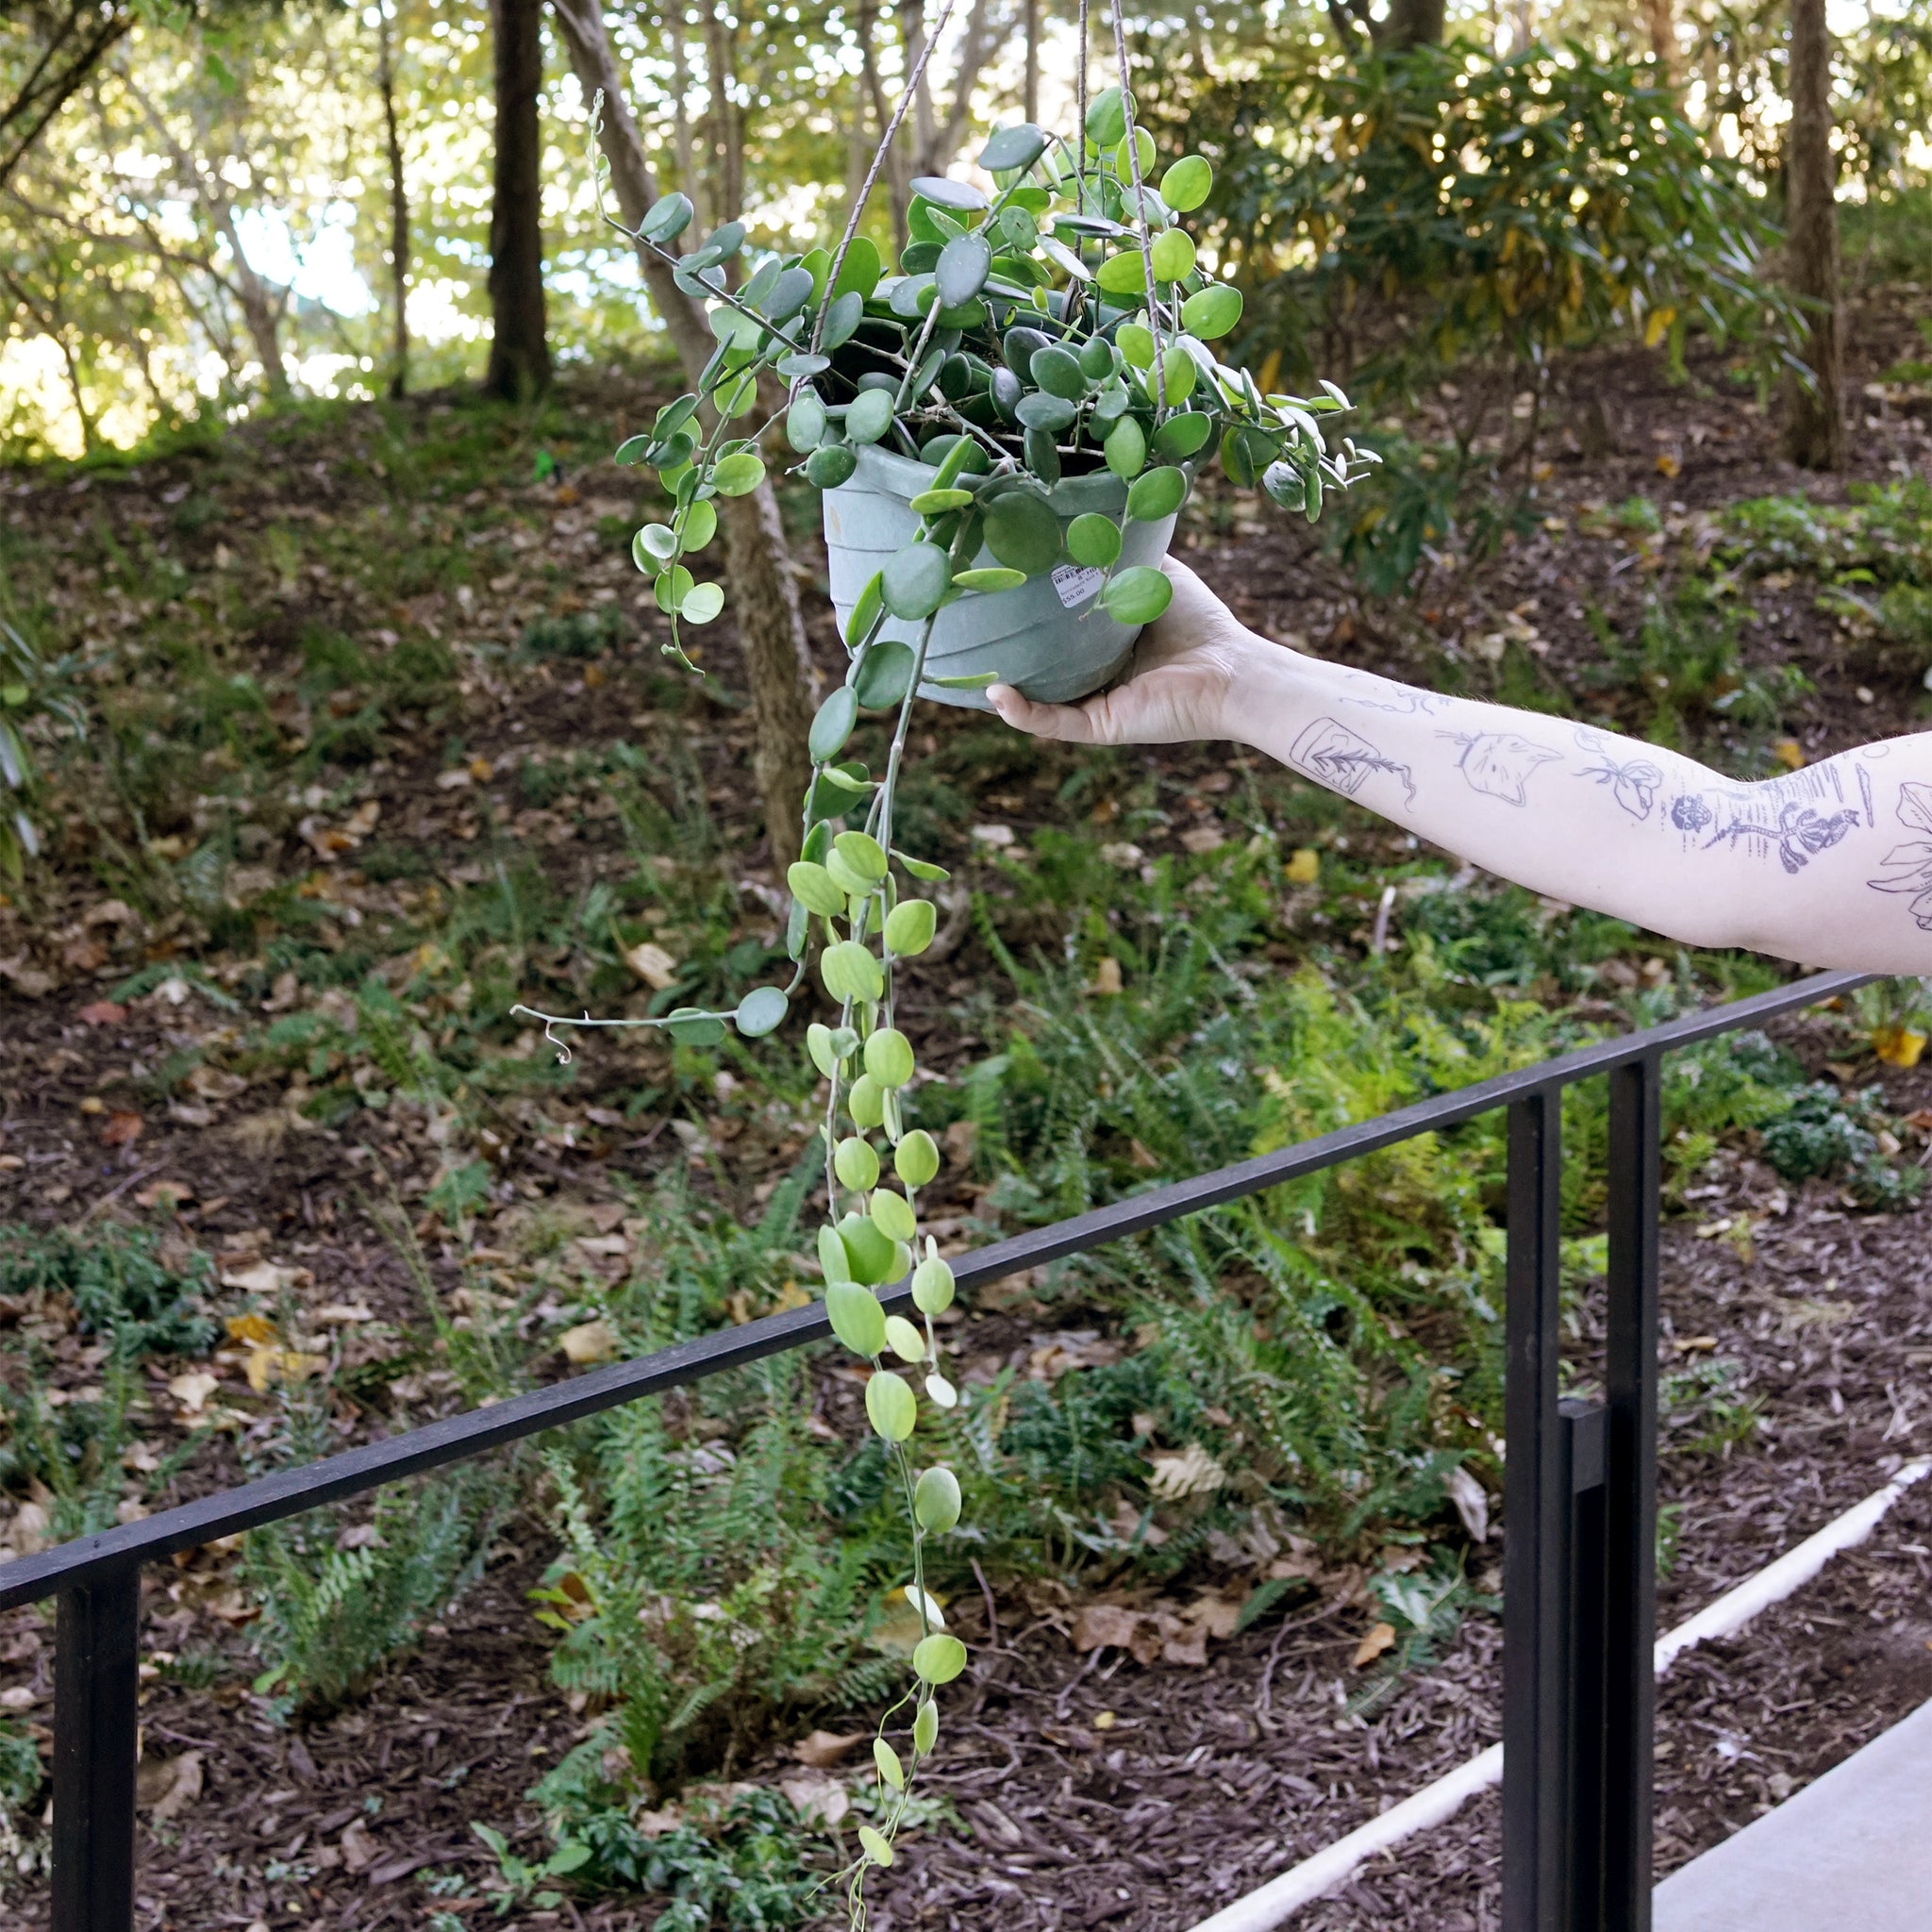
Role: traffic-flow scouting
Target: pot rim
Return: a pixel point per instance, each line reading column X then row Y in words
column 892, row 474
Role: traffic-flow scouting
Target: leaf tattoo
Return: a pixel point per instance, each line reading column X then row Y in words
column 1499, row 763
column 1908, row 867
column 1342, row 761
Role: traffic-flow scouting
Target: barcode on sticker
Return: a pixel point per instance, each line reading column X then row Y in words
column 1075, row 585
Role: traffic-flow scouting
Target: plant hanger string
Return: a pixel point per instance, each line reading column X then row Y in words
column 907, row 94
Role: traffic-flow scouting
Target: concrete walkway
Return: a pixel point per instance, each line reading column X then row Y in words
column 1851, row 1853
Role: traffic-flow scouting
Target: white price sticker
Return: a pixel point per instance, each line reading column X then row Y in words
column 1075, row 585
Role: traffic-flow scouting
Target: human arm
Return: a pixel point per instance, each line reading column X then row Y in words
column 1830, row 865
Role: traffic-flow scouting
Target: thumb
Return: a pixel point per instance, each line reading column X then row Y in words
column 1071, row 724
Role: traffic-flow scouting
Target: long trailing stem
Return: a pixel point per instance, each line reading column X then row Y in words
column 1133, row 147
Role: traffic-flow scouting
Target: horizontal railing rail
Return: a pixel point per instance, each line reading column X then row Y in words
column 1579, row 1487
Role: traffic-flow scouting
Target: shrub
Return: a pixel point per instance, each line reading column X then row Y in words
column 122, row 1286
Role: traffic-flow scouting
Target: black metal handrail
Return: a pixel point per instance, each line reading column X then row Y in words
column 1579, row 1496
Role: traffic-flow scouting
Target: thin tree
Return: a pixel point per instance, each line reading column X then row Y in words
column 764, row 589
column 1407, row 23
column 398, row 208
column 47, row 53
column 1814, row 427
column 519, row 345
column 1661, row 25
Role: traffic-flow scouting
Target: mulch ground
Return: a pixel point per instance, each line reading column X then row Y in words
column 1083, row 1787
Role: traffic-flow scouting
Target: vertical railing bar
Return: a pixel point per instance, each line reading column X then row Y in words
column 1536, row 1567
column 1636, row 1132
column 96, row 1733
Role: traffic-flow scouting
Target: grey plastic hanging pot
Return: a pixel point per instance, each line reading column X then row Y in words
column 1048, row 636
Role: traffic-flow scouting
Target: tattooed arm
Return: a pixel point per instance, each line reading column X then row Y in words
column 1831, row 865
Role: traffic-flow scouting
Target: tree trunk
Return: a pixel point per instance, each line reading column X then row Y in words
column 259, row 314
column 1029, row 98
column 764, row 592
column 1660, row 24
column 398, row 210
column 1412, row 24
column 1814, row 430
column 519, row 348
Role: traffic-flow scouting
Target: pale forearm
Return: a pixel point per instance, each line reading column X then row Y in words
column 1815, row 866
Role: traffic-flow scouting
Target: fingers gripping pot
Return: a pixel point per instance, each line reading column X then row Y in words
column 1049, row 636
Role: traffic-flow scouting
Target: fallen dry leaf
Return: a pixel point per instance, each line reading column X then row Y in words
column 359, row 1849
column 1207, row 837
column 267, row 1366
column 1106, row 977
column 337, row 1313
column 1303, row 866
column 1099, row 1624
column 166, row 1195
column 588, row 1341
column 824, row 1749
column 124, row 1129
column 1471, row 1503
column 814, row 1795
column 265, row 1277
column 182, row 1785
column 250, row 1327
column 652, row 964
column 1372, row 1647
column 1191, row 1472
column 101, row 1013
column 193, row 1390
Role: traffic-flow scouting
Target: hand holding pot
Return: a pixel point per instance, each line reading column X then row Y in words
column 1186, row 667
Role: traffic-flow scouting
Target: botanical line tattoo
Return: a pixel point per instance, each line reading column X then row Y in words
column 1343, row 761
column 1499, row 763
column 1403, row 704
column 1908, row 867
column 1797, row 816
column 1801, row 833
column 1634, row 784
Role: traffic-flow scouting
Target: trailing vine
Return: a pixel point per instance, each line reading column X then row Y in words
column 1060, row 327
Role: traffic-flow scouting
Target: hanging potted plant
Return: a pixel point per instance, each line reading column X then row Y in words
column 1003, row 429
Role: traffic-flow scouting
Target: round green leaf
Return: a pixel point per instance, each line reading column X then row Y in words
column 632, row 450
column 830, row 465
column 1107, row 118
column 926, row 1727
column 994, row 577
column 672, row 587
column 1094, row 540
column 892, row 1215
column 1123, row 275
column 867, row 612
column 884, row 675
column 869, row 1252
column 830, row 728
column 902, row 1338
column 1157, row 493
column 653, row 547
column 1058, row 372
column 863, row 853
column 1097, row 360
column 1142, row 154
column 875, row 1846
column 857, row 1318
column 1044, row 411
column 961, row 270
column 932, row 1286
column 805, row 422
column 942, row 1657
column 1137, row 596
column 760, row 1012
column 851, row 973
column 893, row 1409
column 739, row 474
column 936, row 503
column 859, row 273
column 944, row 192
column 849, row 882
column 1182, row 436
column 698, row 525
column 865, row 1101
column 1023, row 532
column 1126, row 447
column 821, row 1042
column 1135, row 341
column 1211, row 312
column 909, row 927
column 889, row 1060
column 917, row 580
column 1012, row 147
column 702, row 603
column 691, row 1026
column 811, row 886
column 833, row 1258
column 1178, row 376
column 842, row 316
column 857, row 1163
column 869, row 415
column 1173, row 255
column 936, row 1497
column 887, row 1760
column 1186, row 185
column 666, row 219
column 916, row 1160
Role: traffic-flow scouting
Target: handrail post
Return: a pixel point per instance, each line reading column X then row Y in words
column 1537, row 1746
column 1630, row 1490
column 96, row 1691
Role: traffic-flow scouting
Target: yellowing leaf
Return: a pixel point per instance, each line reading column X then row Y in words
column 1898, row 1046
column 257, row 1328
column 588, row 1341
column 1789, row 754
column 270, row 1365
column 1373, row 1644
column 1303, row 866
